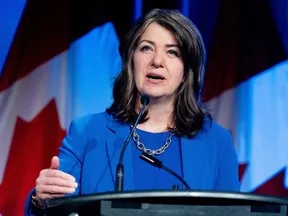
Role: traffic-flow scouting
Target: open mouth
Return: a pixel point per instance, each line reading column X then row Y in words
column 155, row 77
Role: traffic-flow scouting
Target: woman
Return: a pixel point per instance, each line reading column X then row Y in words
column 163, row 57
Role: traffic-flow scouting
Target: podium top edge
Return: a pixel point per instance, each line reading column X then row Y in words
column 170, row 194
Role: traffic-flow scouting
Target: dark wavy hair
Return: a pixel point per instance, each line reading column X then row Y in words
column 188, row 115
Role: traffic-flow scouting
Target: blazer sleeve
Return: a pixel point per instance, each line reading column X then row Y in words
column 228, row 177
column 71, row 155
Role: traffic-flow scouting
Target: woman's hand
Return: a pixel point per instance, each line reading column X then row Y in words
column 52, row 183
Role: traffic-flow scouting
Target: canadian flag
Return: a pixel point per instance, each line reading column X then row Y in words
column 246, row 87
column 62, row 63
column 51, row 76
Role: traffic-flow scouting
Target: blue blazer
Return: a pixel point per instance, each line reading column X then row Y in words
column 91, row 148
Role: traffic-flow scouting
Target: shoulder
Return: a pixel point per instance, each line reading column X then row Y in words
column 214, row 130
column 91, row 122
column 92, row 118
column 97, row 123
column 215, row 136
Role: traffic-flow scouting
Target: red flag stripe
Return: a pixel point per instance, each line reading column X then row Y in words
column 39, row 37
column 47, row 28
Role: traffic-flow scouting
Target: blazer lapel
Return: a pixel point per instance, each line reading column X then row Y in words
column 194, row 158
column 120, row 133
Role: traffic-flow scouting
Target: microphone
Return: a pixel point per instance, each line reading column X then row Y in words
column 157, row 163
column 145, row 99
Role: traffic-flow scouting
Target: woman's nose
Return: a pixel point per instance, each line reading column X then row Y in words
column 158, row 60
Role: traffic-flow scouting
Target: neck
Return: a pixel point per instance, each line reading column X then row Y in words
column 159, row 116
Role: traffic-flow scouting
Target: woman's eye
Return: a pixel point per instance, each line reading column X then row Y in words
column 173, row 52
column 146, row 48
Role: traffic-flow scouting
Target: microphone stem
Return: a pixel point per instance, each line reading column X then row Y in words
column 158, row 163
column 119, row 178
column 130, row 134
column 177, row 176
column 120, row 167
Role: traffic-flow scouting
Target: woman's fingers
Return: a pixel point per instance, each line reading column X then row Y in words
column 56, row 173
column 54, row 189
column 56, row 181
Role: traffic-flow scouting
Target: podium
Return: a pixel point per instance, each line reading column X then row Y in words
column 174, row 202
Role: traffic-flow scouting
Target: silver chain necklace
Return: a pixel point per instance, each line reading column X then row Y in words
column 148, row 151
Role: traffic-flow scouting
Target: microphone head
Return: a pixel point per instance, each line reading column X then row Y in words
column 145, row 99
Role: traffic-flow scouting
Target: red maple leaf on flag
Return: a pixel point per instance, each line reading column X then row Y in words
column 33, row 145
column 274, row 186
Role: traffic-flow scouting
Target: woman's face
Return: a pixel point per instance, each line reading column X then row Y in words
column 157, row 63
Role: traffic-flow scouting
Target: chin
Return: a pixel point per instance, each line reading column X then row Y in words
column 156, row 96
column 156, row 93
column 153, row 94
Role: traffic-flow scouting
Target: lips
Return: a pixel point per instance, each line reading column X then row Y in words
column 155, row 76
